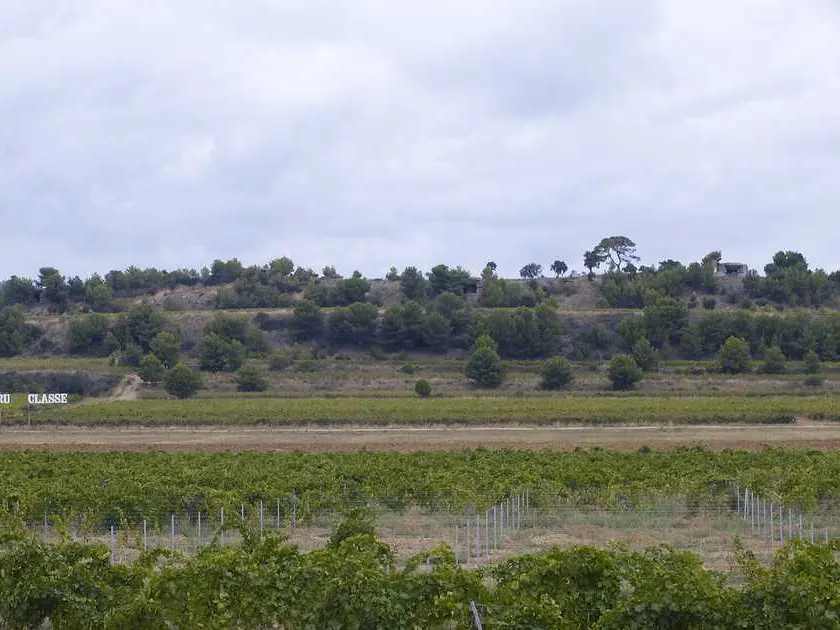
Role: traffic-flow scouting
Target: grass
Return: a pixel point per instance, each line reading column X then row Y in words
column 63, row 364
column 558, row 409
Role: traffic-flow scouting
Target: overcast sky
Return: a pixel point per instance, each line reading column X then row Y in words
column 373, row 133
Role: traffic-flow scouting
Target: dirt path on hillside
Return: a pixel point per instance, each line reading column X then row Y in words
column 127, row 389
column 402, row 439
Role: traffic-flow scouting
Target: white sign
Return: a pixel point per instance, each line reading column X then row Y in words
column 46, row 399
column 5, row 399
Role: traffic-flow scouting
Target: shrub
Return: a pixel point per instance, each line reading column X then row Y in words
column 484, row 367
column 624, row 372
column 556, row 373
column 812, row 362
column 219, row 354
column 814, row 380
column 151, row 370
column 182, row 382
column 408, row 368
column 734, row 356
column 249, row 378
column 774, row 361
column 709, row 303
column 422, row 388
column 645, row 355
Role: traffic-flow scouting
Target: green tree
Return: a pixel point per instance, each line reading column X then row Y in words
column 484, row 367
column 691, row 346
column 443, row 279
column 87, row 334
column 217, row 354
column 307, row 321
column 182, row 382
column 774, row 361
column 353, row 325
column 556, row 373
column 531, row 270
column 413, row 285
column 18, row 290
column 151, row 370
column 559, row 267
column 98, row 295
column 139, row 326
column 54, row 285
column 812, row 362
column 617, row 250
column 593, row 260
column 166, row 347
column 15, row 333
column 249, row 378
column 631, row 329
column 623, row 372
column 734, row 356
column 645, row 355
column 437, row 332
column 665, row 319
column 330, row 273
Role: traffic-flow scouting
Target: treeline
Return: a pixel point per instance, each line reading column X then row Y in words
column 445, row 323
column 788, row 281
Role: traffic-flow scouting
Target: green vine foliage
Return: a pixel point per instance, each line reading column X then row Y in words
column 269, row 583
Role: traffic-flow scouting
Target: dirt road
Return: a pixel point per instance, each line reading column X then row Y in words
column 817, row 436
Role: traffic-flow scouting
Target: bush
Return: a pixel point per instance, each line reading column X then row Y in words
column 249, row 378
column 484, row 367
column 645, row 355
column 709, row 303
column 151, row 370
column 218, row 354
column 556, row 373
column 182, row 382
column 734, row 356
column 774, row 361
column 409, row 369
column 812, row 362
column 422, row 388
column 624, row 372
column 814, row 380
column 87, row 335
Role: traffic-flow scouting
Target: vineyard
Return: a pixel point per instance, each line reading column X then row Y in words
column 353, row 583
column 110, row 487
column 564, row 409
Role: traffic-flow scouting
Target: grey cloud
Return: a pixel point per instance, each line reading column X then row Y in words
column 370, row 134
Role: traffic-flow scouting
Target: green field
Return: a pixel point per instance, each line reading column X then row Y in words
column 562, row 409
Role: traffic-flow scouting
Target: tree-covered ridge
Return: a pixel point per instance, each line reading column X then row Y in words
column 788, row 280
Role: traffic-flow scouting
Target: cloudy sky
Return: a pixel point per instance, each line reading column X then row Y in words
column 374, row 133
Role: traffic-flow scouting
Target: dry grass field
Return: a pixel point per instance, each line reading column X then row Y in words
column 803, row 434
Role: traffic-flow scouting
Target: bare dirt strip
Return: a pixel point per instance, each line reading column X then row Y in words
column 403, row 439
